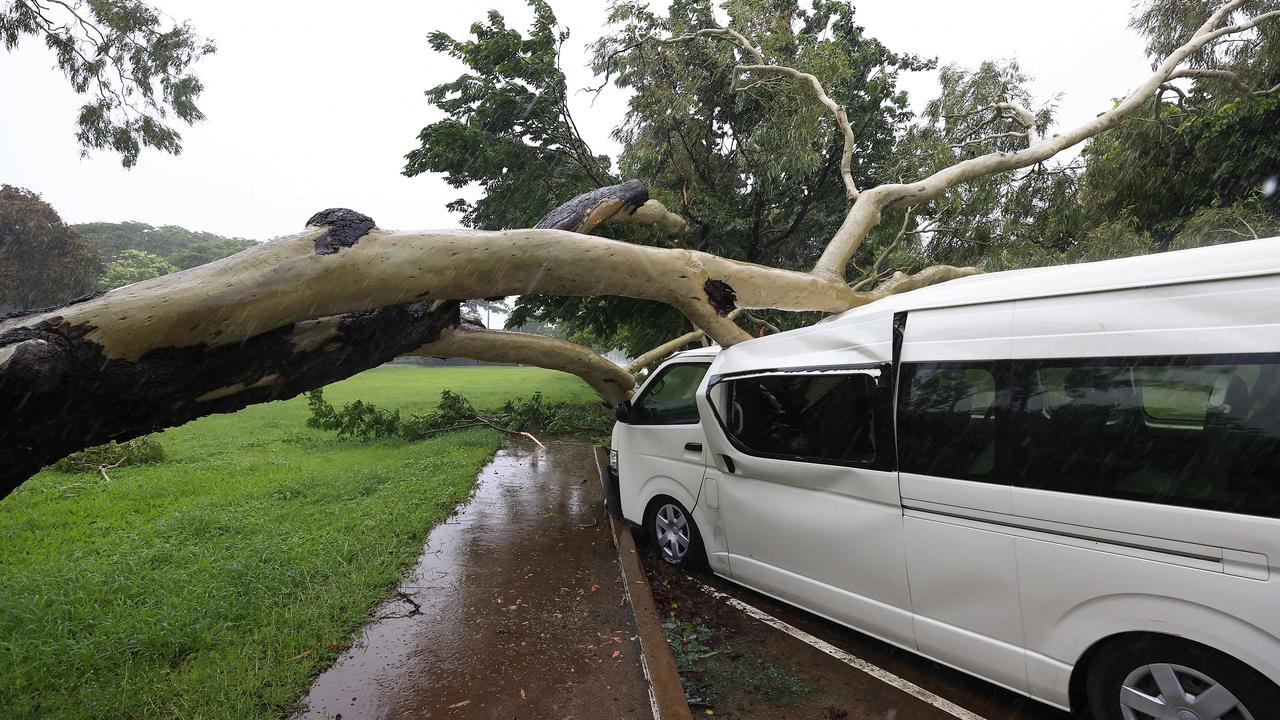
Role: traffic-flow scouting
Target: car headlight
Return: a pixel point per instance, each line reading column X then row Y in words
column 613, row 460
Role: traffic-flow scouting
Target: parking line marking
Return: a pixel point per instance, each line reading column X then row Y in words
column 849, row 659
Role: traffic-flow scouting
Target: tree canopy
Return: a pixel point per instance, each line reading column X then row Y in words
column 129, row 59
column 754, row 170
column 42, row 260
column 751, row 160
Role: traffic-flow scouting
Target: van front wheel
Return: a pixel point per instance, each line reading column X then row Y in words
column 1165, row 678
column 674, row 532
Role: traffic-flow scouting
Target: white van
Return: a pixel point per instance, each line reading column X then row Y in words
column 1063, row 480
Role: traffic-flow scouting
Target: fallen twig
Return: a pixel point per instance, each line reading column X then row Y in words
column 496, row 426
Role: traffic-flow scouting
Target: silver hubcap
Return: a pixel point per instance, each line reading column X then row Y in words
column 1173, row 692
column 673, row 532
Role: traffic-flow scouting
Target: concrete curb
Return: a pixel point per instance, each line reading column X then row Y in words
column 665, row 690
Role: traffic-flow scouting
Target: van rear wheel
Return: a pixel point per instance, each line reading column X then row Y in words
column 1169, row 679
column 676, row 535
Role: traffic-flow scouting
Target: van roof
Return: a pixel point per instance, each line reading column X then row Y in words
column 1239, row 259
column 864, row 332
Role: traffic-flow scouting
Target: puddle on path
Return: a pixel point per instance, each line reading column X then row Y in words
column 520, row 609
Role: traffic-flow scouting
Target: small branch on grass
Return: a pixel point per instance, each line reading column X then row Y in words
column 496, row 426
column 102, row 469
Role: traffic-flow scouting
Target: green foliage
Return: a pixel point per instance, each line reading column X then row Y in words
column 508, row 127
column 138, row 451
column 128, row 58
column 365, row 421
column 132, row 266
column 1180, row 161
column 754, row 171
column 43, row 261
column 1186, row 171
column 182, row 247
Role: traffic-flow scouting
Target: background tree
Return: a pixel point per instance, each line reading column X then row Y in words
column 42, row 260
column 754, row 168
column 177, row 245
column 132, row 266
column 128, row 58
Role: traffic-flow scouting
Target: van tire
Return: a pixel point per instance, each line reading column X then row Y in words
column 674, row 534
column 1135, row 662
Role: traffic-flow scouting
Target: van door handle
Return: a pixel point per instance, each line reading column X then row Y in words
column 728, row 464
column 693, row 447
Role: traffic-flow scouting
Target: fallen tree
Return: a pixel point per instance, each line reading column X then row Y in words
column 343, row 295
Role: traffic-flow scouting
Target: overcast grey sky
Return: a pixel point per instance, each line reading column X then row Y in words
column 312, row 105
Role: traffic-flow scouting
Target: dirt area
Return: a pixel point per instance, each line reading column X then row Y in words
column 515, row 610
column 736, row 667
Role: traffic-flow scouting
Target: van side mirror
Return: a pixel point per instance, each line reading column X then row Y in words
column 623, row 411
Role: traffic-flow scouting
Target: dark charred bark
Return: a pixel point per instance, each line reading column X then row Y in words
column 586, row 211
column 346, row 227
column 60, row 393
column 721, row 295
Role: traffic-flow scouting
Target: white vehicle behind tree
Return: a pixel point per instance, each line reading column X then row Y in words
column 1064, row 480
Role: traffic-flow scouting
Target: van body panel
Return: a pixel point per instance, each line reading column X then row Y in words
column 958, row 334
column 1074, row 597
column 711, row 522
column 829, row 535
column 657, row 464
column 964, row 594
column 1228, row 316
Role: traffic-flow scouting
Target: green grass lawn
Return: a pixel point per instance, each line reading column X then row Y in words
column 215, row 584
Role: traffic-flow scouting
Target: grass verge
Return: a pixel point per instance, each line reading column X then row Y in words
column 217, row 583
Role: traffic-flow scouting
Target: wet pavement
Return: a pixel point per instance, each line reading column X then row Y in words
column 516, row 609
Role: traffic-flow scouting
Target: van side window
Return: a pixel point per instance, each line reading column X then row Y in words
column 947, row 421
column 1179, row 431
column 822, row 417
column 668, row 399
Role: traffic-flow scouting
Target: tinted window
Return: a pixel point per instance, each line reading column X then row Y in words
column 825, row 416
column 947, row 421
column 1182, row 431
column 669, row 398
column 1192, row 431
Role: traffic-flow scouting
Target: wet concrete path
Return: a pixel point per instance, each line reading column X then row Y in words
column 520, row 610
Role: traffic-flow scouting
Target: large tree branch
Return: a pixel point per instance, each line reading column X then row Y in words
column 866, row 211
column 1228, row 76
column 612, row 383
column 309, row 309
column 837, row 110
